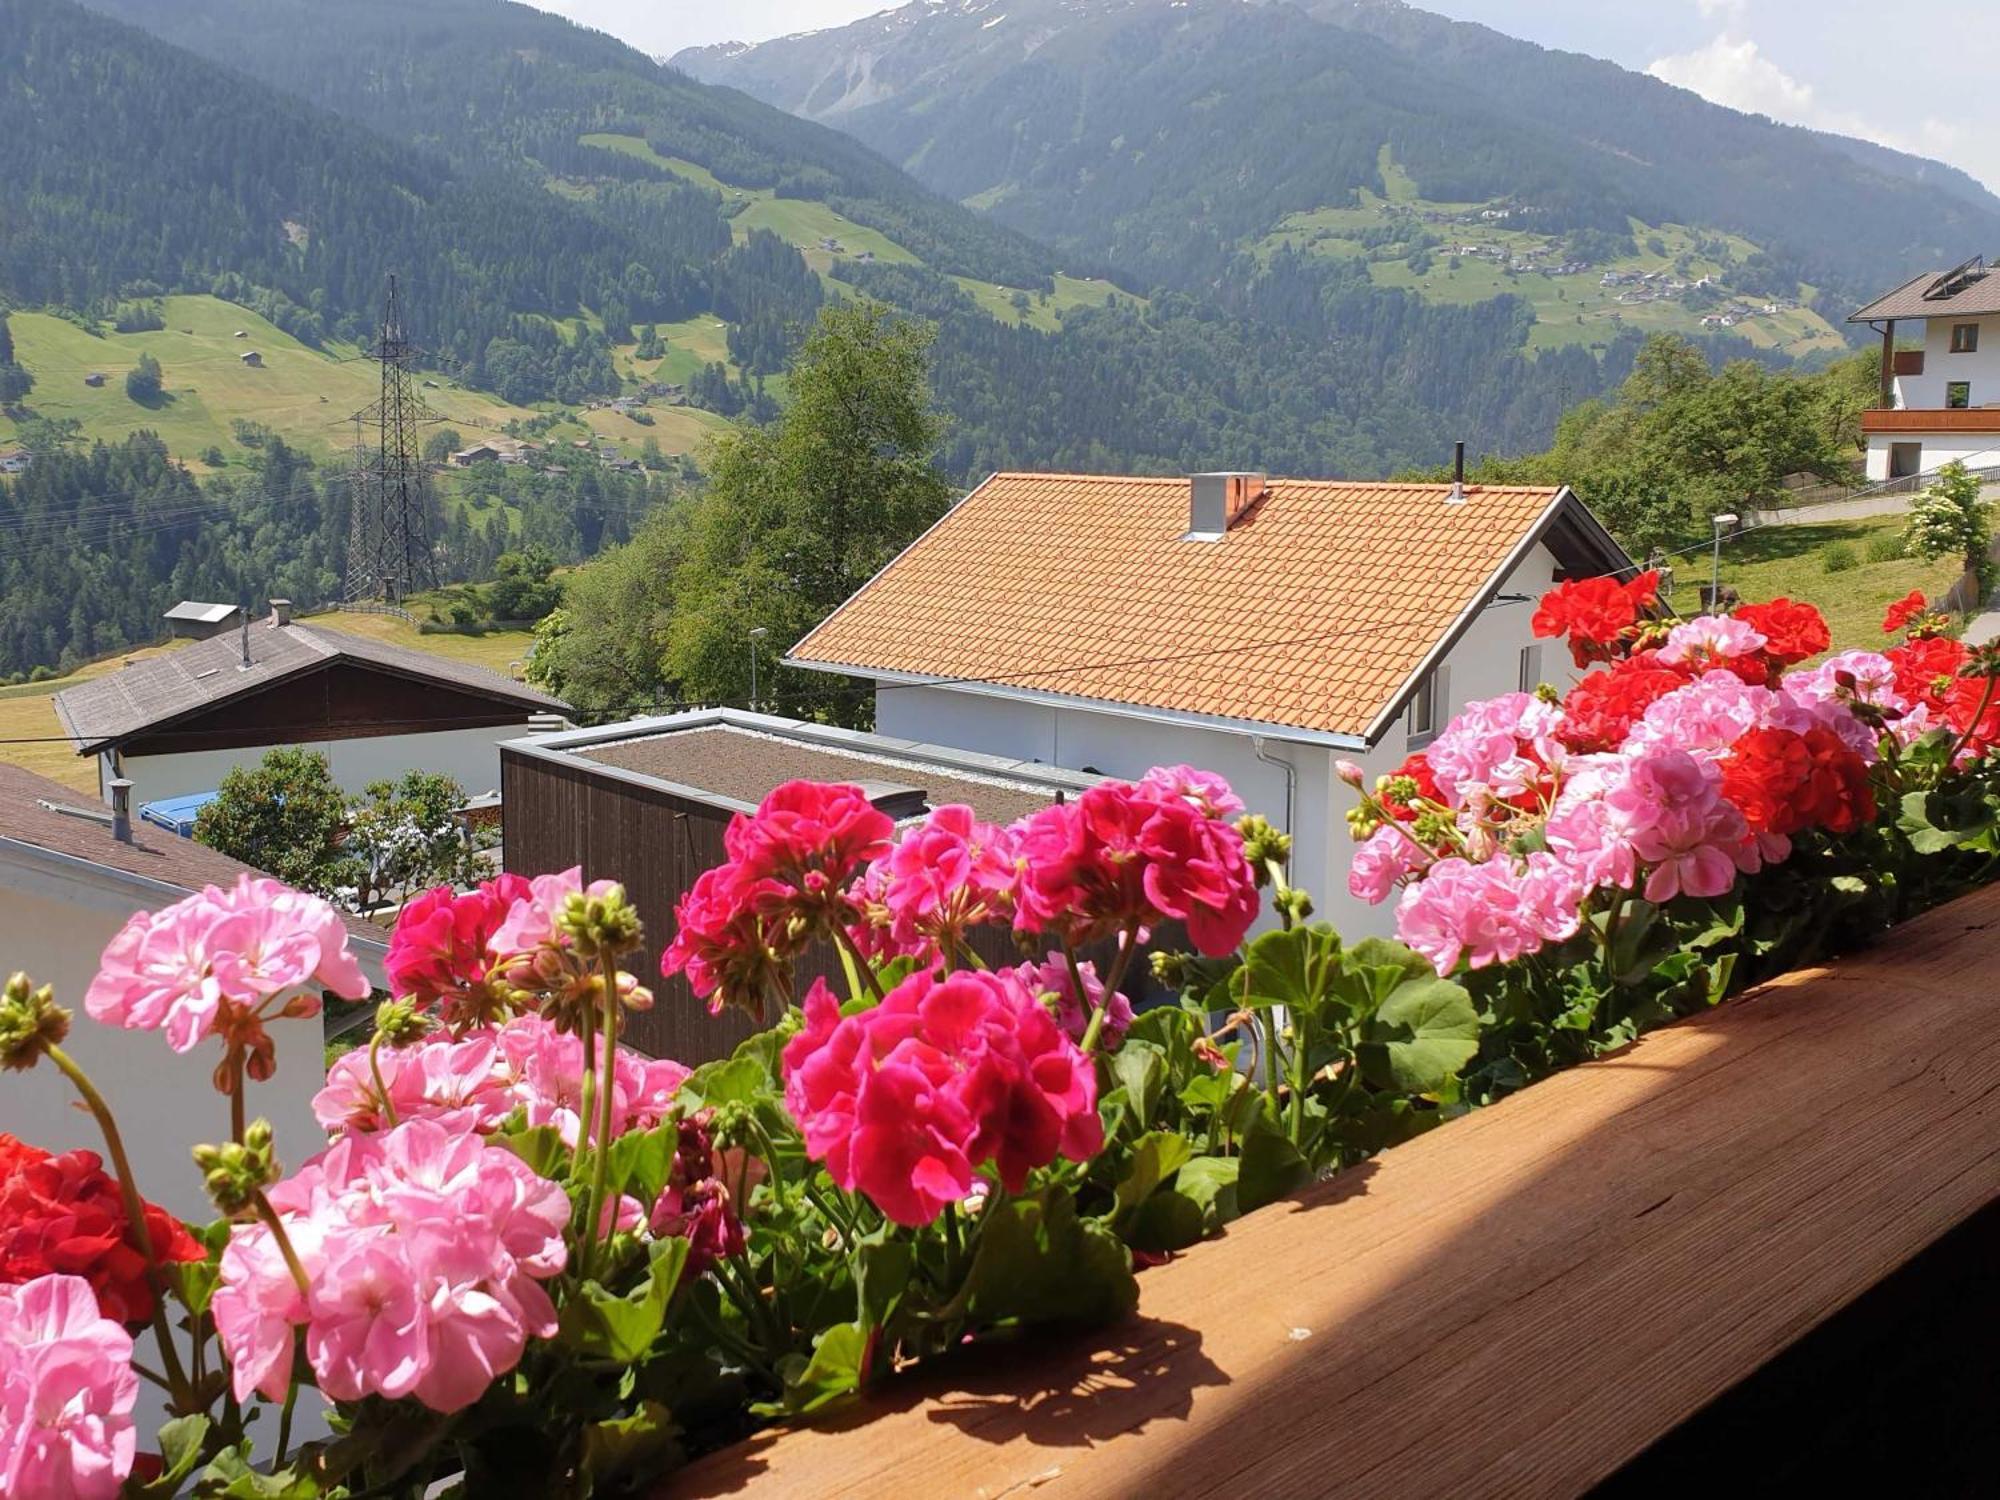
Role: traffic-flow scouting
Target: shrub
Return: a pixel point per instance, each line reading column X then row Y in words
column 1885, row 546
column 1837, row 557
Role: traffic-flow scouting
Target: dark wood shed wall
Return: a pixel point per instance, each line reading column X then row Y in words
column 335, row 702
column 557, row 814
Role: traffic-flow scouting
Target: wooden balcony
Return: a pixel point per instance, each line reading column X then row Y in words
column 1541, row 1296
column 1932, row 419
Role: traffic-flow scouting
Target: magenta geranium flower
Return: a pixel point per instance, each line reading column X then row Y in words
column 904, row 1100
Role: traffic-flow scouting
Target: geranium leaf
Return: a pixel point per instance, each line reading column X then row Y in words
column 648, row 1439
column 1155, row 1157
column 1210, row 1183
column 736, row 1080
column 1420, row 1037
column 1141, row 1069
column 1037, row 1262
column 540, row 1146
column 1271, row 1168
column 881, row 1276
column 602, row 1324
column 833, row 1374
column 1168, row 1220
column 1287, row 967
column 642, row 1160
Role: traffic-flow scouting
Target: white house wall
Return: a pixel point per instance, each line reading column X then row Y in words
column 55, row 928
column 1980, row 368
column 1976, row 450
column 471, row 757
column 1485, row 663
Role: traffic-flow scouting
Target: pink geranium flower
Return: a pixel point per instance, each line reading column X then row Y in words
column 1489, row 913
column 423, row 1250
column 1052, row 980
column 221, row 955
column 66, row 1393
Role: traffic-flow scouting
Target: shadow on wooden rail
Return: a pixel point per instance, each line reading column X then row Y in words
column 1519, row 1303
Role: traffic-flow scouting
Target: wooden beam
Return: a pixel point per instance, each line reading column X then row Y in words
column 1888, row 362
column 1516, row 1304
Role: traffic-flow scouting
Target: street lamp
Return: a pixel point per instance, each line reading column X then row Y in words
column 1724, row 522
column 757, row 633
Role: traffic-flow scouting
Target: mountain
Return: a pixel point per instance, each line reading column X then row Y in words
column 1170, row 135
column 1041, row 359
column 134, row 167
column 489, row 84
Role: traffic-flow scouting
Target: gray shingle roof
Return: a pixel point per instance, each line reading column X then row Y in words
column 27, row 817
column 118, row 705
column 1979, row 294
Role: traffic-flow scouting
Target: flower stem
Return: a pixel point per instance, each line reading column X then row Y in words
column 867, row 970
column 285, row 1422
column 135, row 1209
column 284, row 1242
column 600, row 1164
column 236, row 1106
column 381, row 1088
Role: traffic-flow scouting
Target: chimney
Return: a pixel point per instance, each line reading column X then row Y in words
column 1457, row 495
column 244, row 665
column 281, row 611
column 1217, row 501
column 121, row 810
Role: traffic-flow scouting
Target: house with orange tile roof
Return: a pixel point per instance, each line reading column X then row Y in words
column 1260, row 628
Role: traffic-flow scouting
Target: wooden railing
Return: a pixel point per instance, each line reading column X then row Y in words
column 1932, row 419
column 1518, row 1303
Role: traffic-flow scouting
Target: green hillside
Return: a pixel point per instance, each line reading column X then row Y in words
column 304, row 395
column 1672, row 279
column 823, row 235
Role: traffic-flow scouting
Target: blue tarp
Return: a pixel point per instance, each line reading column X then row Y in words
column 176, row 814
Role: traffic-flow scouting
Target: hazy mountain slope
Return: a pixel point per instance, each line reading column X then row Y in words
column 499, row 83
column 1112, row 125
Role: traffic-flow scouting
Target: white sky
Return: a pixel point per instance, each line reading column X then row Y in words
column 1915, row 75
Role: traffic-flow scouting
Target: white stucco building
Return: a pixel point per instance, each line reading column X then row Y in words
column 1940, row 402
column 175, row 723
column 70, row 876
column 1262, row 629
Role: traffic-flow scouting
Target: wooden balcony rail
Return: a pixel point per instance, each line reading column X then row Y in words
column 1516, row 1304
column 1932, row 419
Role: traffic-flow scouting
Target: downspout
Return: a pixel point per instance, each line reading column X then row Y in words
column 1291, row 777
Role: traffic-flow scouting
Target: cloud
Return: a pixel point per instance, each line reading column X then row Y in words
column 1713, row 8
column 1734, row 71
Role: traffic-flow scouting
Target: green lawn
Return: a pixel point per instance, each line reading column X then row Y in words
column 1791, row 561
column 305, row 395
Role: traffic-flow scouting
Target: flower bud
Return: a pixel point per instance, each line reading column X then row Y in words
column 236, row 1171
column 1546, row 693
column 1170, row 969
column 1349, row 772
column 30, row 1022
column 399, row 1023
column 1298, row 903
column 602, row 925
column 1262, row 843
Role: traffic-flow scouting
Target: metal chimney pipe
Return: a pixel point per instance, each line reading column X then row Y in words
column 245, row 664
column 1457, row 495
column 121, row 810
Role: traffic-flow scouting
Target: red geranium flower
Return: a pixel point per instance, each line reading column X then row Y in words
column 1417, row 767
column 1792, row 632
column 1784, row 782
column 1903, row 611
column 1596, row 614
column 1602, row 708
column 438, row 950
column 1926, row 668
column 1972, row 708
column 63, row 1215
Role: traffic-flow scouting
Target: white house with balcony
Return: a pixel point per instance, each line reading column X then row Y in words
column 1262, row 629
column 1940, row 402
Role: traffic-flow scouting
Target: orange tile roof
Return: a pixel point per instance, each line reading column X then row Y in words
column 1312, row 612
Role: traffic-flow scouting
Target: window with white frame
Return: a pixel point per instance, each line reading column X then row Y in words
column 1531, row 667
column 1427, row 707
column 1964, row 338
